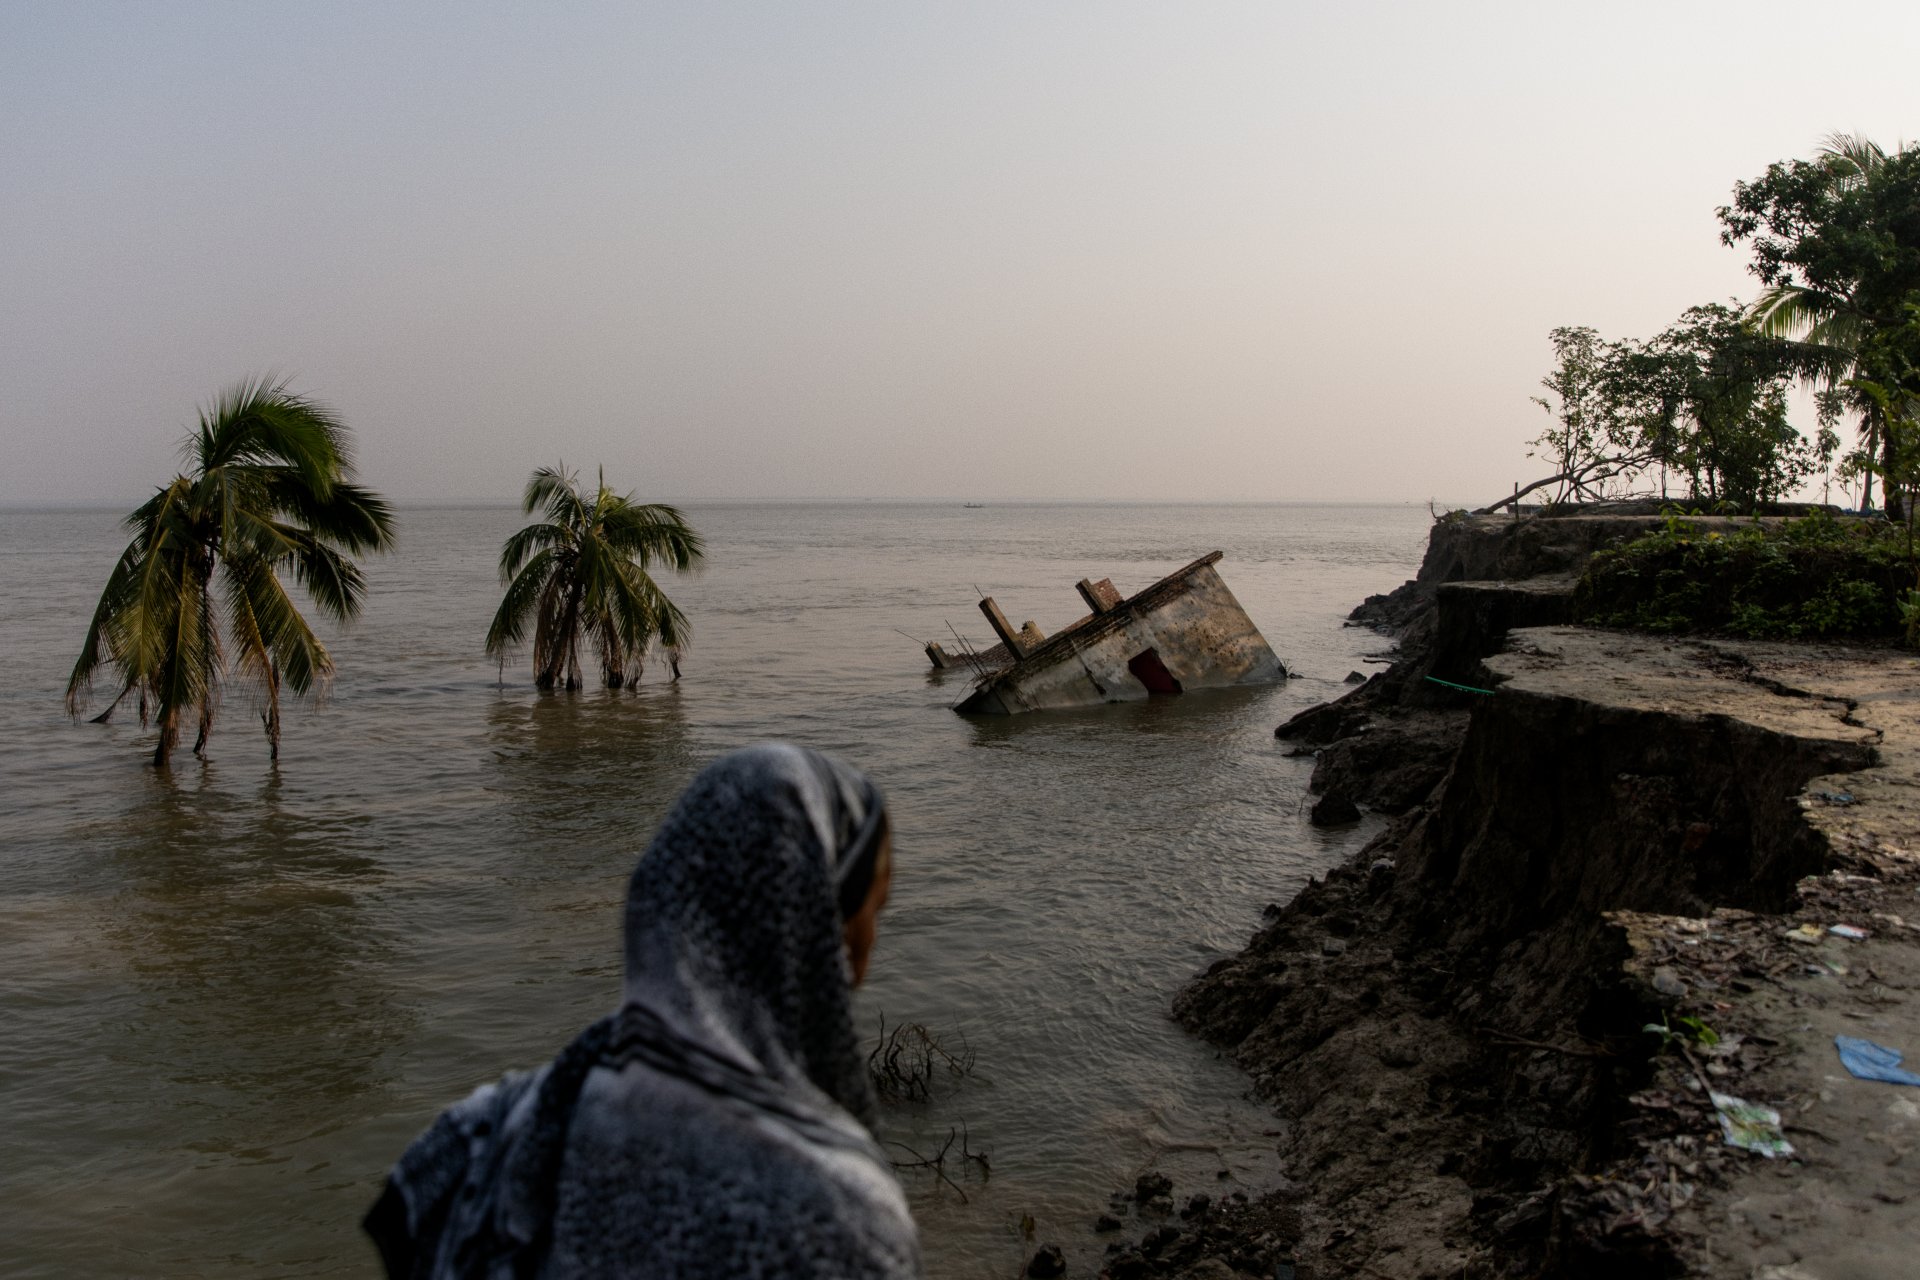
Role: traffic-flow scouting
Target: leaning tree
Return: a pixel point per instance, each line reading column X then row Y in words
column 197, row 601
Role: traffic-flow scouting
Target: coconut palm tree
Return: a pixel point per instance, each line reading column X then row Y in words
column 583, row 573
column 1828, row 324
column 1824, row 317
column 197, row 598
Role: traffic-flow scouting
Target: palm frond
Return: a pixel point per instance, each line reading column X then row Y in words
column 258, row 422
column 670, row 626
column 289, row 646
column 103, row 632
column 350, row 517
column 254, row 531
column 595, row 567
column 655, row 533
column 556, row 489
column 1851, row 157
column 524, row 543
column 253, row 657
column 336, row 583
column 1782, row 311
column 245, row 629
column 1843, row 330
column 163, row 575
column 662, row 618
column 523, row 596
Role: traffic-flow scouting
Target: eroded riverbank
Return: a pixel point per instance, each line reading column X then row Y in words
column 1452, row 1025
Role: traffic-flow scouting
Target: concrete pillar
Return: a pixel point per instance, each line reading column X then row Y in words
column 1101, row 597
column 1002, row 628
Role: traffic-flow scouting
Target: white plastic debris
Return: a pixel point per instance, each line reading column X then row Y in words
column 1751, row 1127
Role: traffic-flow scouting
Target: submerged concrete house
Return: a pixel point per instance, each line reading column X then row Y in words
column 1186, row 631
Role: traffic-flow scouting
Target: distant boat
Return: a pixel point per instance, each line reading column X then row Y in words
column 973, row 506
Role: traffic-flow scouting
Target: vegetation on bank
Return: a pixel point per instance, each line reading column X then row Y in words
column 196, row 600
column 1812, row 578
column 1701, row 409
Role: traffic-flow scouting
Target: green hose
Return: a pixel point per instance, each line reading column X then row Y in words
column 1464, row 688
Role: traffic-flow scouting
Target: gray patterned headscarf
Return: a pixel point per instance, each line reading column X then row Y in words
column 713, row 1125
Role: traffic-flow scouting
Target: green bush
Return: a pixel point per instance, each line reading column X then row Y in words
column 1798, row 579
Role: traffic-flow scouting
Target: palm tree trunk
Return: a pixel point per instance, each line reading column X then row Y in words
column 1895, row 495
column 169, row 736
column 1866, row 480
column 563, row 660
column 273, row 712
column 570, row 633
column 613, row 666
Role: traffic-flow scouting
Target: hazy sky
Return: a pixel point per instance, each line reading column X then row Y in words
column 1174, row 251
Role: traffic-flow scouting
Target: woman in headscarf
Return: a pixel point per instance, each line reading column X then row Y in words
column 715, row 1125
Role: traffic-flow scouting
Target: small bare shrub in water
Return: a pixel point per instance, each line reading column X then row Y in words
column 909, row 1061
column 971, row 1162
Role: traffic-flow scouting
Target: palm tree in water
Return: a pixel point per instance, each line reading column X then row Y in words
column 584, row 574
column 197, row 599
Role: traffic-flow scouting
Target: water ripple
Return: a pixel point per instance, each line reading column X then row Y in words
column 233, row 995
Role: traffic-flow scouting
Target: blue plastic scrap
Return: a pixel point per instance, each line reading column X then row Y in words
column 1870, row 1061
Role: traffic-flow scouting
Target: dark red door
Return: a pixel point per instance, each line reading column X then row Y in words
column 1151, row 672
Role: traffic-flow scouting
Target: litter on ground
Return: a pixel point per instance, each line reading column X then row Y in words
column 1870, row 1061
column 1751, row 1127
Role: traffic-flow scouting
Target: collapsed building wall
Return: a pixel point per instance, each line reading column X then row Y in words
column 1186, row 631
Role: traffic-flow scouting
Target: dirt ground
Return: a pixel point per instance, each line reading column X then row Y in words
column 1629, row 832
column 1453, row 1026
column 1779, row 989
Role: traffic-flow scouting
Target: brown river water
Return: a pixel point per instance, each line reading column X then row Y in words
column 231, row 995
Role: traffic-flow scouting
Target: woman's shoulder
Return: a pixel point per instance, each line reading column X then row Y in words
column 681, row 1124
column 714, row 1177
column 407, row 1221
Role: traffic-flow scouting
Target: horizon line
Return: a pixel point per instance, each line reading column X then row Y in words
column 104, row 504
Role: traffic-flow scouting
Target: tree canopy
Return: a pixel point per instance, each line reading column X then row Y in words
column 1705, row 401
column 1835, row 243
column 1709, row 395
column 1835, row 239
